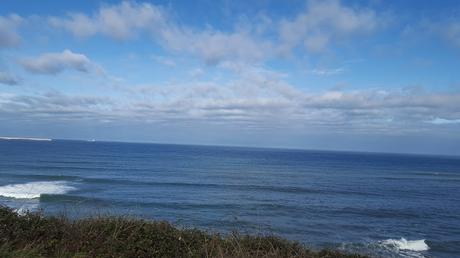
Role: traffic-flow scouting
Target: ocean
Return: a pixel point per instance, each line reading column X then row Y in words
column 385, row 205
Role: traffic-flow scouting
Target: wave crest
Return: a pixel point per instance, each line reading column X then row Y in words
column 34, row 190
column 408, row 245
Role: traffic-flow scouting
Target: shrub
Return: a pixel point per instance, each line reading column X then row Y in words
column 34, row 235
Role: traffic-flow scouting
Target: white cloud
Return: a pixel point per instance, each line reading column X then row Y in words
column 327, row 72
column 164, row 61
column 128, row 19
column 256, row 98
column 448, row 31
column 442, row 121
column 120, row 21
column 323, row 22
column 54, row 105
column 78, row 24
column 316, row 43
column 8, row 30
column 452, row 33
column 216, row 46
column 445, row 29
column 197, row 72
column 8, row 79
column 261, row 98
column 53, row 63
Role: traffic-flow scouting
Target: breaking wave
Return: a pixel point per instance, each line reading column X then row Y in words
column 400, row 248
column 34, row 190
column 408, row 245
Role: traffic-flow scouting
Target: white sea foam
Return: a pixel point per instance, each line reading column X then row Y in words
column 26, row 207
column 407, row 245
column 34, row 190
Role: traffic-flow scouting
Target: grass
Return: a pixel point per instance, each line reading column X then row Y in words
column 35, row 235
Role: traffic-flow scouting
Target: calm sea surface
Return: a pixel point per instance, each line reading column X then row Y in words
column 379, row 204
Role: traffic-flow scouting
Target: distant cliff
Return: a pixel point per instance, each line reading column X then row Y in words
column 24, row 138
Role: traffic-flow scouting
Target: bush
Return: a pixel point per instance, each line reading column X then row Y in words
column 34, row 235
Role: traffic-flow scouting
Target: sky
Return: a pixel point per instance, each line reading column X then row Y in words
column 379, row 76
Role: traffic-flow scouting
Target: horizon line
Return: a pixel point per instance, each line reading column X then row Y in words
column 230, row 146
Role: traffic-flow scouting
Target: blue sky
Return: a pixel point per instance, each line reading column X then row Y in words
column 342, row 75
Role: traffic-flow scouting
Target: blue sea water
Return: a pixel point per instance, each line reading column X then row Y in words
column 388, row 205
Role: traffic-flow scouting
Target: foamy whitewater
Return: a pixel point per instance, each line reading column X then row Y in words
column 34, row 189
column 403, row 248
column 410, row 245
column 380, row 205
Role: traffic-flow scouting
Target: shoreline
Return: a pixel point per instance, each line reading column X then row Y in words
column 24, row 139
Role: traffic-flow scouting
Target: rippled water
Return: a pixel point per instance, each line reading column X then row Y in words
column 381, row 204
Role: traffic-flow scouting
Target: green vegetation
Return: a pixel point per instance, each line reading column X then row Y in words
column 34, row 235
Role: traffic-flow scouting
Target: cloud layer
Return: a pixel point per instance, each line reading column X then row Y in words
column 258, row 98
column 279, row 71
column 320, row 24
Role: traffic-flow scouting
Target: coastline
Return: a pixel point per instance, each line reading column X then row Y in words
column 35, row 235
column 24, row 139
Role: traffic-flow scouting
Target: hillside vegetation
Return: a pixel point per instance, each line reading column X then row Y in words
column 35, row 235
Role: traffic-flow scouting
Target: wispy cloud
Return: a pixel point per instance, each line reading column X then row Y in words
column 122, row 21
column 443, row 29
column 164, row 60
column 324, row 22
column 54, row 105
column 327, row 72
column 443, row 121
column 9, row 36
column 448, row 30
column 53, row 63
column 8, row 79
column 197, row 72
